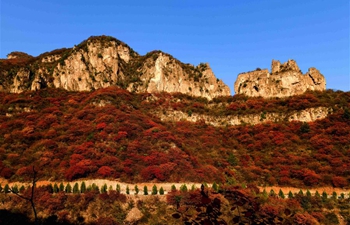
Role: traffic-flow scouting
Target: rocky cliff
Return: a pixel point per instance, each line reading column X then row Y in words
column 105, row 61
column 284, row 80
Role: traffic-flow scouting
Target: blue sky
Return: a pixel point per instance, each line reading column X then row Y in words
column 233, row 36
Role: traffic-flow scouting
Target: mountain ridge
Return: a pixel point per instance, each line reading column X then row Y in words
column 102, row 61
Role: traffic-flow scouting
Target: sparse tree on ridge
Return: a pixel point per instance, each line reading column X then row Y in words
column 154, row 190
column 83, row 187
column 161, row 191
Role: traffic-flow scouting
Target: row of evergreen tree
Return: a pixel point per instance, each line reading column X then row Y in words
column 324, row 195
column 82, row 188
column 183, row 188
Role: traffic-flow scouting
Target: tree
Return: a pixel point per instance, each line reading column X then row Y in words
column 215, row 187
column 127, row 191
column 290, row 194
column 272, row 192
column 183, row 188
column 145, row 190
column 31, row 198
column 68, row 188
column 154, row 190
column 161, row 191
column 136, row 189
column 173, row 187
column 104, row 188
column 6, row 189
column 94, row 187
column 281, row 194
column 304, row 128
column 118, row 188
column 76, row 188
column 55, row 188
column 21, row 189
column 301, row 192
column 308, row 193
column 83, row 187
column 324, row 196
column 14, row 189
column 61, row 187
column 232, row 159
column 264, row 194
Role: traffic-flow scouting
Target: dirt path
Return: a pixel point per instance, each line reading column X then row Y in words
column 167, row 186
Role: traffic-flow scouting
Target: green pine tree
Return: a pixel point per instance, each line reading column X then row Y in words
column 161, row 191
column 110, row 188
column 183, row 188
column 6, row 189
column 301, row 192
column 317, row 195
column 88, row 188
column 68, row 188
column 334, row 195
column 232, row 159
column 21, row 189
column 290, row 194
column 304, row 128
column 61, row 187
column 324, row 196
column 76, row 188
column 94, row 187
column 193, row 187
column 215, row 187
column 82, row 187
column 154, row 190
column 55, row 188
column 104, row 188
column 145, row 190
column 15, row 189
column 173, row 187
column 272, row 192
column 264, row 194
column 136, row 190
column 308, row 193
column 127, row 190
column 50, row 188
column 118, row 188
column 281, row 194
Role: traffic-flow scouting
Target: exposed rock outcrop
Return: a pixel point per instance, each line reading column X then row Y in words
column 103, row 61
column 161, row 72
column 284, row 80
column 306, row 115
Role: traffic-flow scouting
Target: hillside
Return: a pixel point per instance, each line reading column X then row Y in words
column 103, row 61
column 115, row 134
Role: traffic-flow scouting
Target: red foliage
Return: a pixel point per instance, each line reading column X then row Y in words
column 105, row 171
column 339, row 182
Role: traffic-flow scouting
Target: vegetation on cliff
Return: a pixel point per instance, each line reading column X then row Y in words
column 112, row 133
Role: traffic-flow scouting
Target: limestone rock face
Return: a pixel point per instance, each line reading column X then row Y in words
column 284, row 80
column 103, row 61
column 161, row 72
column 95, row 66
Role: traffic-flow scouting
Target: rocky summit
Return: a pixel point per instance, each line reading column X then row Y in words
column 102, row 61
column 284, row 80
